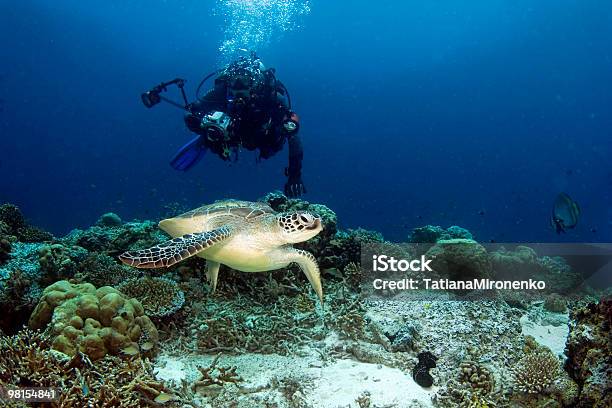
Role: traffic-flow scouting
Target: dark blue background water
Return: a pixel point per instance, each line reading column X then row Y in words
column 424, row 112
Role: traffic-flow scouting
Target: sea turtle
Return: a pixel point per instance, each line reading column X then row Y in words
column 246, row 236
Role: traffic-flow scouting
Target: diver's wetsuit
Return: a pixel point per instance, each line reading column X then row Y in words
column 257, row 124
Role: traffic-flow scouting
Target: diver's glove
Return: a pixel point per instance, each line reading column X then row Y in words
column 294, row 186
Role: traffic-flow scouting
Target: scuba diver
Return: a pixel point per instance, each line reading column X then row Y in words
column 246, row 108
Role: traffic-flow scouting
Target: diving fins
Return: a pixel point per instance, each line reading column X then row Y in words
column 189, row 155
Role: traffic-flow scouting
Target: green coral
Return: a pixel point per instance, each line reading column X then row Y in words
column 430, row 234
column 93, row 321
column 459, row 259
column 159, row 296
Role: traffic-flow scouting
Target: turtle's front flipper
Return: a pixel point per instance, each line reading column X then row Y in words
column 309, row 265
column 212, row 273
column 175, row 250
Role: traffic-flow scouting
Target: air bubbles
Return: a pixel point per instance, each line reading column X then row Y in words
column 253, row 24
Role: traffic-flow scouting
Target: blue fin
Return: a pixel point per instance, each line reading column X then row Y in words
column 189, row 155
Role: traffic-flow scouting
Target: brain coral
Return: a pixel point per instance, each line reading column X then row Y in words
column 460, row 259
column 93, row 321
column 159, row 296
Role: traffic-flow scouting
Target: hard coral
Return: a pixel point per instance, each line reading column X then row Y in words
column 159, row 296
column 588, row 350
column 30, row 233
column 26, row 360
column 479, row 378
column 459, row 259
column 109, row 220
column 430, row 234
column 536, row 372
column 13, row 223
column 56, row 262
column 92, row 321
column 11, row 215
column 5, row 250
column 131, row 235
column 555, row 303
column 103, row 270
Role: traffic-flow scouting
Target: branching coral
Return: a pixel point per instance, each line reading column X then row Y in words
column 536, row 372
column 26, row 360
column 216, row 375
column 159, row 296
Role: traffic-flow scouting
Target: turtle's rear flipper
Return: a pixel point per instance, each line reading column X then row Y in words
column 175, row 250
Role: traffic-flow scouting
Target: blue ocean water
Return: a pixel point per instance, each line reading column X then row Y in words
column 469, row 113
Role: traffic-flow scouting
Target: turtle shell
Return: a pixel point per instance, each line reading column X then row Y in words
column 214, row 215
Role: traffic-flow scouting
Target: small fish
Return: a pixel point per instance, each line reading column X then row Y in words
column 130, row 350
column 146, row 346
column 565, row 213
column 162, row 398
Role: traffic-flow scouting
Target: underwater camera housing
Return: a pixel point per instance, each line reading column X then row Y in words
column 217, row 126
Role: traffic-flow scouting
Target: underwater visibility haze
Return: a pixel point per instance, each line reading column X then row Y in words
column 447, row 113
column 306, row 204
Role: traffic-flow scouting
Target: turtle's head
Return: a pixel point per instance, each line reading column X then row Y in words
column 299, row 226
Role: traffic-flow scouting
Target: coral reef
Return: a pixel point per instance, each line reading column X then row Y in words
column 536, row 372
column 12, row 217
column 159, row 297
column 588, row 349
column 19, row 295
column 59, row 262
column 477, row 377
column 12, row 223
column 27, row 360
column 213, row 378
column 523, row 263
column 555, row 303
column 93, row 321
column 103, row 270
column 116, row 239
column 5, row 250
column 459, row 259
column 109, row 220
column 430, row 234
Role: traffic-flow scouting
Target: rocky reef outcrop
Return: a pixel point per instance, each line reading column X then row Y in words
column 589, row 352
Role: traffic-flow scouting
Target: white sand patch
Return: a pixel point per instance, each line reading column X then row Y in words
column 336, row 385
column 170, row 370
column 553, row 337
column 340, row 384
